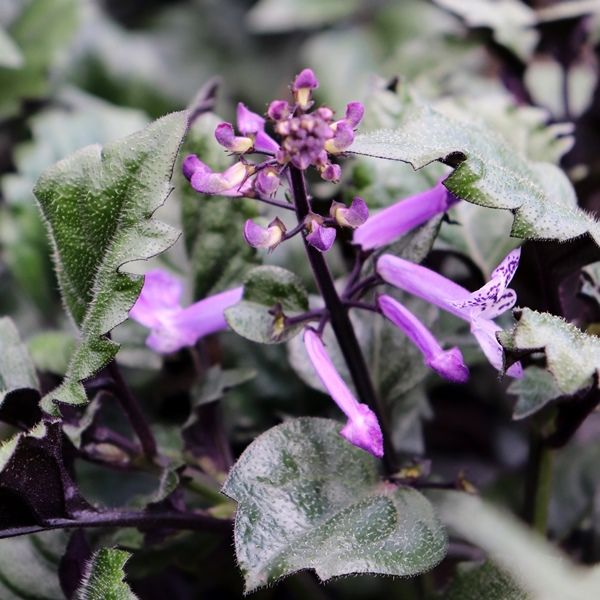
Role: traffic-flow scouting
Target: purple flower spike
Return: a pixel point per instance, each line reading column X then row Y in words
column 447, row 363
column 354, row 113
column 226, row 137
column 171, row 326
column 362, row 429
column 267, row 181
column 248, row 122
column 279, row 110
column 478, row 309
column 319, row 236
column 232, row 182
column 399, row 218
column 353, row 216
column 302, row 87
column 264, row 237
column 343, row 136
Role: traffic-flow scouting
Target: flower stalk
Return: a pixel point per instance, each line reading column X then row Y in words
column 340, row 322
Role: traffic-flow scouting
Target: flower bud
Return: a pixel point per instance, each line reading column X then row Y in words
column 264, row 237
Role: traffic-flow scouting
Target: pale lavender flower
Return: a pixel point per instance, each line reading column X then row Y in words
column 264, row 237
column 225, row 135
column 173, row 327
column 279, row 110
column 477, row 308
column 343, row 130
column 234, row 181
column 331, row 172
column 319, row 236
column 352, row 216
column 447, row 363
column 362, row 429
column 399, row 218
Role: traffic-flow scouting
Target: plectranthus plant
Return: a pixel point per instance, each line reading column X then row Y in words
column 301, row 283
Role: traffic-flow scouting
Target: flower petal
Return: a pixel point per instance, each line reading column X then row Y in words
column 305, row 79
column 248, row 122
column 362, row 428
column 161, row 292
column 447, row 363
column 394, row 221
column 228, row 183
column 225, row 135
column 354, row 113
column 485, row 331
column 353, row 216
column 264, row 237
column 321, row 237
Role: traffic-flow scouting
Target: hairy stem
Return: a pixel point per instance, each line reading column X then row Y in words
column 133, row 411
column 340, row 322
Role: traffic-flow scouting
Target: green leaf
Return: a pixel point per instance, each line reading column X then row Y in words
column 511, row 21
column 40, row 31
column 51, row 351
column 98, row 205
column 539, row 569
column 308, row 499
column 534, row 390
column 16, row 367
column 277, row 16
column 217, row 382
column 29, row 566
column 488, row 172
column 486, row 581
column 212, row 225
column 572, row 357
column 265, row 289
column 104, row 578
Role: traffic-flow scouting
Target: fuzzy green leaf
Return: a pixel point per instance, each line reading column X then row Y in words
column 489, row 172
column 308, row 499
column 98, row 205
column 572, row 357
column 265, row 289
column 104, row 577
column 475, row 582
column 534, row 390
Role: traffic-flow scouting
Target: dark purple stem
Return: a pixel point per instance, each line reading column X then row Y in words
column 121, row 518
column 133, row 411
column 362, row 306
column 340, row 322
column 311, row 315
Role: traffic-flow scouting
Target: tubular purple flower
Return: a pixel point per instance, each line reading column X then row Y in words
column 302, row 87
column 264, row 237
column 343, row 136
column 248, row 122
column 319, row 236
column 226, row 137
column 477, row 308
column 331, row 172
column 232, row 182
column 447, row 363
column 353, row 216
column 399, row 218
column 266, row 182
column 279, row 110
column 171, row 326
column 354, row 113
column 362, row 429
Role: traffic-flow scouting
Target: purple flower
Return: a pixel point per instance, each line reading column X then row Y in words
column 399, row 218
column 252, row 127
column 303, row 86
column 264, row 237
column 343, row 130
column 447, row 363
column 362, row 429
column 477, row 308
column 353, row 216
column 331, row 172
column 279, row 110
column 319, row 236
column 232, row 182
column 266, row 182
column 171, row 326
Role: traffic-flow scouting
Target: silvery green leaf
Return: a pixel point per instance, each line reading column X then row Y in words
column 98, row 205
column 534, row 390
column 308, row 499
column 104, row 577
column 17, row 370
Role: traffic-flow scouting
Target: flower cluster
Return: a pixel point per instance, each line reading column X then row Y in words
column 303, row 139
